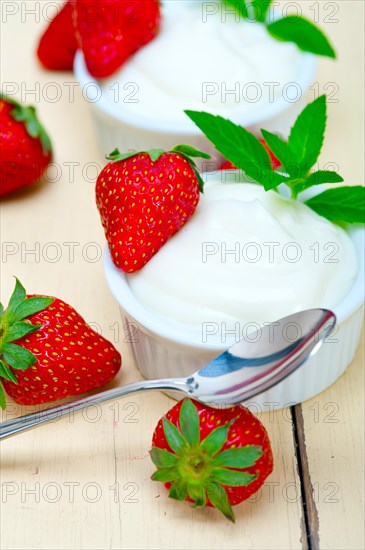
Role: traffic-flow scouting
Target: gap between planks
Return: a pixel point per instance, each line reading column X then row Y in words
column 310, row 519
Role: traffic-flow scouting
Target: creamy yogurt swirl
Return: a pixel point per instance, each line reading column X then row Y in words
column 205, row 61
column 246, row 256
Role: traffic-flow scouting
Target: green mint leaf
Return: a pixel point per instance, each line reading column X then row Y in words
column 307, row 36
column 189, row 151
column 232, row 478
column 240, row 457
column 18, row 357
column 178, row 490
column 239, row 146
column 260, row 8
column 162, row 458
column 317, row 178
column 29, row 307
column 2, row 397
column 166, row 474
column 174, row 437
column 219, row 498
column 342, row 204
column 307, row 135
column 213, row 443
column 1, row 311
column 197, row 494
column 282, row 151
column 239, row 6
column 6, row 373
column 189, row 422
column 19, row 330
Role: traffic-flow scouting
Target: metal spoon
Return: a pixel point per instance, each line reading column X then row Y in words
column 253, row 365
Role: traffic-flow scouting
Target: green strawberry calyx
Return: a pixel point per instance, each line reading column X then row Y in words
column 28, row 116
column 186, row 151
column 200, row 470
column 14, row 325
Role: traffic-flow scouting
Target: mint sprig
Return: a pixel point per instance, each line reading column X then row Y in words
column 297, row 156
column 292, row 28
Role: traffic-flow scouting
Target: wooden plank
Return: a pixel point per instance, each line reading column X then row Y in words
column 334, row 443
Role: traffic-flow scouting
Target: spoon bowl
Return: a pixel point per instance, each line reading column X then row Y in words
column 256, row 363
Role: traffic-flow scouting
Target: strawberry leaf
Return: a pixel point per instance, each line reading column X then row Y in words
column 178, row 490
column 155, row 154
column 28, row 307
column 189, row 422
column 189, row 151
column 162, row 458
column 6, row 373
column 17, row 297
column 17, row 357
column 28, row 116
column 219, row 498
column 174, row 437
column 232, row 478
column 342, row 204
column 213, row 443
column 2, row 397
column 307, row 36
column 166, row 474
column 116, row 155
column 241, row 457
column 19, row 330
column 307, row 135
column 197, row 494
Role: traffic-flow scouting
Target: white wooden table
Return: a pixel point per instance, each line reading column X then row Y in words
column 83, row 482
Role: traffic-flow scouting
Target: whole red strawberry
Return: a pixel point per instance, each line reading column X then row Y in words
column 110, row 31
column 144, row 198
column 25, row 147
column 275, row 162
column 58, row 45
column 211, row 457
column 48, row 352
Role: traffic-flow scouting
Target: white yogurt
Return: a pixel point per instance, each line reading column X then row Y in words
column 214, row 62
column 246, row 256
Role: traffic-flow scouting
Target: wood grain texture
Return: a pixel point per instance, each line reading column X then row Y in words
column 83, row 482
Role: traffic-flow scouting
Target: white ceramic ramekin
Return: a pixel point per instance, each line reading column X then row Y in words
column 116, row 127
column 162, row 349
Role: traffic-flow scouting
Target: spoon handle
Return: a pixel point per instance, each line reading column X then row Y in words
column 28, row 421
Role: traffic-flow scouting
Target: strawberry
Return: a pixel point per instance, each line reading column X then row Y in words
column 211, row 457
column 110, row 31
column 275, row 162
column 57, row 46
column 144, row 198
column 25, row 147
column 56, row 353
